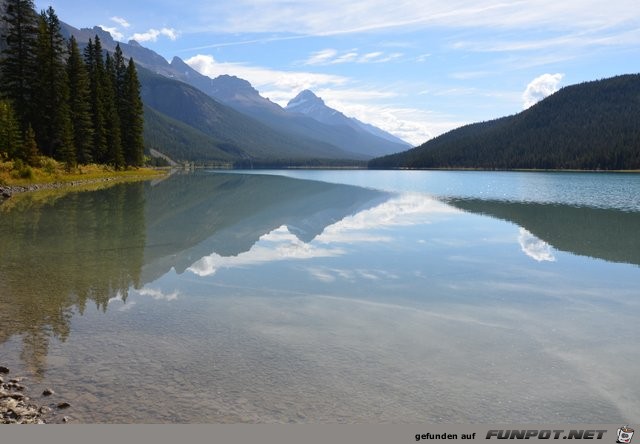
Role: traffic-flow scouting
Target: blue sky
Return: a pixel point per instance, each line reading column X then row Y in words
column 416, row 68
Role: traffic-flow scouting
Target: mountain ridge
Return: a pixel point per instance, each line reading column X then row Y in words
column 357, row 143
column 589, row 126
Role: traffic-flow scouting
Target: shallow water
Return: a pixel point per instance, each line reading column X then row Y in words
column 330, row 296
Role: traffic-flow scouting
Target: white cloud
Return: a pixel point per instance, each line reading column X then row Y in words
column 120, row 21
column 115, row 33
column 152, row 35
column 535, row 248
column 541, row 87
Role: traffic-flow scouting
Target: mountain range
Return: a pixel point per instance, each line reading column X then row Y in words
column 592, row 125
column 189, row 116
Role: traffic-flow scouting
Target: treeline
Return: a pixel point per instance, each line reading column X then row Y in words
column 593, row 125
column 77, row 107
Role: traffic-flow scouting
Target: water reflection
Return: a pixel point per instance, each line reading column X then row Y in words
column 59, row 254
column 223, row 215
column 607, row 234
column 249, row 298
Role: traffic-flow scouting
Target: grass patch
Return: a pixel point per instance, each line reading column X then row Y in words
column 50, row 171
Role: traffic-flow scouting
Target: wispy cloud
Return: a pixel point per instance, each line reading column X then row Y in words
column 334, row 57
column 121, row 21
column 152, row 35
column 331, row 17
column 115, row 33
column 540, row 87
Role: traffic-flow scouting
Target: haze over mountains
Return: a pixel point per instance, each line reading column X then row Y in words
column 189, row 116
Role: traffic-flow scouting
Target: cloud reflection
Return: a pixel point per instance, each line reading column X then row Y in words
column 277, row 245
column 159, row 295
column 404, row 210
column 535, row 248
column 363, row 227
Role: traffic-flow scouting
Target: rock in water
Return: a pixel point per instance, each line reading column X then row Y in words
column 47, row 392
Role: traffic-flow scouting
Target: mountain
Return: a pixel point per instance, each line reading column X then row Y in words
column 230, row 133
column 361, row 136
column 592, row 125
column 185, row 123
column 349, row 139
column 344, row 133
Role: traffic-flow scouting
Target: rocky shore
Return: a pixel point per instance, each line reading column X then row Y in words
column 7, row 191
column 17, row 408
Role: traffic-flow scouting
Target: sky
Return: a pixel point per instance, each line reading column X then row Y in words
column 415, row 68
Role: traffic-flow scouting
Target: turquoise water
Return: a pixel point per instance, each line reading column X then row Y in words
column 330, row 296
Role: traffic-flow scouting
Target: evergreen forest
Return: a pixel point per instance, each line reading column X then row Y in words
column 592, row 126
column 56, row 100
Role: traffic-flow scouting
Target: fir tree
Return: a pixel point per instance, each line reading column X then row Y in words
column 115, row 156
column 51, row 118
column 95, row 67
column 18, row 59
column 80, row 104
column 132, row 118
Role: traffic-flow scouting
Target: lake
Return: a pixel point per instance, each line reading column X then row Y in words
column 329, row 297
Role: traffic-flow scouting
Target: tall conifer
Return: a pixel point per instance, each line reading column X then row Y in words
column 132, row 118
column 51, row 119
column 115, row 156
column 95, row 66
column 80, row 103
column 18, row 59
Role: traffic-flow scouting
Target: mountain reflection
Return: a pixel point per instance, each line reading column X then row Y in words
column 607, row 234
column 60, row 253
column 192, row 216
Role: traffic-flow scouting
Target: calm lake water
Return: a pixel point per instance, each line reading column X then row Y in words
column 329, row 297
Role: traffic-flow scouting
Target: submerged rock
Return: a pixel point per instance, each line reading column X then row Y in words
column 16, row 408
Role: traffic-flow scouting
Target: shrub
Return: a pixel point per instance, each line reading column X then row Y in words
column 26, row 172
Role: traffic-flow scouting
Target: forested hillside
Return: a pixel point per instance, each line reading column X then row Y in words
column 593, row 125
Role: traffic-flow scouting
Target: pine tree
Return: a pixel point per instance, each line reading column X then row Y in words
column 95, row 67
column 51, row 119
column 115, row 156
column 80, row 104
column 18, row 59
column 132, row 118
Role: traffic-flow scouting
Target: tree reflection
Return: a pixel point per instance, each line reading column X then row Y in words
column 612, row 235
column 62, row 253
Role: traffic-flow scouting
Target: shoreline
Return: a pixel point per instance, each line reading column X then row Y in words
column 8, row 191
column 18, row 408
